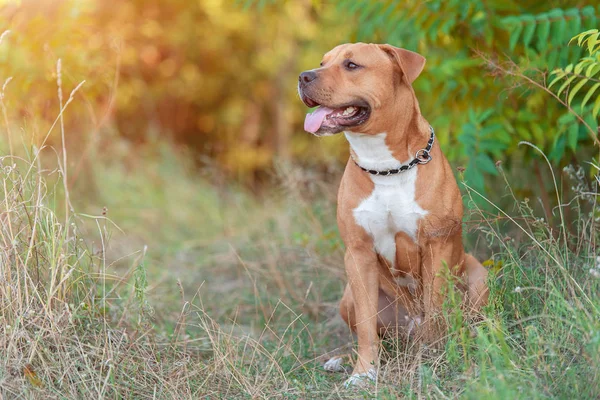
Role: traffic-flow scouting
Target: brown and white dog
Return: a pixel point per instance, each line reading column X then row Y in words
column 399, row 207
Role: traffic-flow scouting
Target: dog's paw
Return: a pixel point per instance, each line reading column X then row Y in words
column 334, row 364
column 361, row 380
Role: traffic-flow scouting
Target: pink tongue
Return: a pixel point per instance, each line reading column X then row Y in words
column 314, row 120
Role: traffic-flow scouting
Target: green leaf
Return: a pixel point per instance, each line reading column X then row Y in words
column 558, row 78
column 509, row 21
column 558, row 149
column 589, row 94
column 578, row 67
column 564, row 54
column 514, row 36
column 565, row 84
column 596, row 108
column 468, row 140
column 543, row 32
column 574, row 22
column 464, row 8
column 592, row 40
column 484, row 115
column 592, row 70
column 553, row 57
column 529, row 29
column 572, row 136
column 473, row 175
column 581, row 36
column 537, row 131
column 569, row 68
column 508, row 127
column 593, row 124
column 567, row 119
column 493, row 145
column 524, row 133
column 485, row 163
column 575, row 89
column 447, row 26
column 561, row 29
column 559, row 24
column 589, row 17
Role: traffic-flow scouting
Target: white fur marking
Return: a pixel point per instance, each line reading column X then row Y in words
column 361, row 379
column 334, row 364
column 391, row 207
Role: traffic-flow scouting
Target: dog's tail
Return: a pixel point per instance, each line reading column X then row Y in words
column 477, row 277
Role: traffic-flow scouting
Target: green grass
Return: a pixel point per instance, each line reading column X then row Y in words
column 203, row 290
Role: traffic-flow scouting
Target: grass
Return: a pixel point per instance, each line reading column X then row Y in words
column 209, row 293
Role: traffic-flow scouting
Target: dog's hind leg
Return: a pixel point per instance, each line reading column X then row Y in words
column 391, row 315
column 476, row 279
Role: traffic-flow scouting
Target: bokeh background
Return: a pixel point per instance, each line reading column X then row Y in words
column 218, row 77
column 206, row 215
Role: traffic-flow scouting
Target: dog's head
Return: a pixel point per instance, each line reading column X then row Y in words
column 357, row 87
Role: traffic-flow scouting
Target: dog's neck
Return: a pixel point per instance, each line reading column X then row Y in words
column 396, row 145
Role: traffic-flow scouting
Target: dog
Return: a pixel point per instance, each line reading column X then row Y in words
column 399, row 207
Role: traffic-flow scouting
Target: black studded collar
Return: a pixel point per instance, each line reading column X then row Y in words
column 423, row 156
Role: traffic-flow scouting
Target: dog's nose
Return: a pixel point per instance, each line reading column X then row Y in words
column 307, row 76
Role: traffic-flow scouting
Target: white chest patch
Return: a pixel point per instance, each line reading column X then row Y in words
column 391, row 208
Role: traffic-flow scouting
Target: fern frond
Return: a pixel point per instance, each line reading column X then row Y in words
column 549, row 32
column 586, row 70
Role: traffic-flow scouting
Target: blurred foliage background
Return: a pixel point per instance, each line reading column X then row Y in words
column 219, row 77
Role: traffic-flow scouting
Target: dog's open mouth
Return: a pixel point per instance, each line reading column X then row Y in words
column 335, row 119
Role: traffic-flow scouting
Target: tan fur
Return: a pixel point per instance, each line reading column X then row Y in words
column 373, row 302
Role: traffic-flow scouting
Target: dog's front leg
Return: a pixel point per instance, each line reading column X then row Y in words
column 363, row 278
column 436, row 254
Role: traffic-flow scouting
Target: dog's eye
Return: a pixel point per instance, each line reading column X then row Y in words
column 350, row 65
column 321, row 63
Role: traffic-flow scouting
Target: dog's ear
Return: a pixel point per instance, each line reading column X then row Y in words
column 410, row 62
